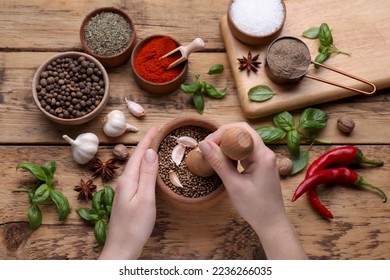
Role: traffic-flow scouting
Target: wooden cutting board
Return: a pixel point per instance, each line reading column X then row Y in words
column 361, row 27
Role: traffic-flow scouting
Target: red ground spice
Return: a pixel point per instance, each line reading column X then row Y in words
column 148, row 64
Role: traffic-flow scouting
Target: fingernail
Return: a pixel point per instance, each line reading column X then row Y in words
column 150, row 156
column 205, row 148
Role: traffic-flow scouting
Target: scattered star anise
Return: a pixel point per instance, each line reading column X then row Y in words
column 249, row 63
column 104, row 169
column 85, row 189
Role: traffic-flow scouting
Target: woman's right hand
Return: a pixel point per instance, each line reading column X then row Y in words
column 256, row 193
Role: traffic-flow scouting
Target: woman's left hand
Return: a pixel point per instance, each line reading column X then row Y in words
column 134, row 208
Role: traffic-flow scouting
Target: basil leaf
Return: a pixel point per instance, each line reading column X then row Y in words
column 191, row 88
column 198, row 101
column 109, row 209
column 61, row 202
column 313, row 119
column 312, row 33
column 87, row 214
column 270, row 134
column 100, row 231
column 41, row 194
column 284, row 121
column 300, row 162
column 50, row 167
column 322, row 49
column 293, row 142
column 97, row 201
column 211, row 91
column 34, row 169
column 34, row 216
column 325, row 35
column 108, row 196
column 321, row 57
column 215, row 69
column 260, row 93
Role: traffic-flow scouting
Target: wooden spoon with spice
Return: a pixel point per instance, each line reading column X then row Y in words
column 196, row 45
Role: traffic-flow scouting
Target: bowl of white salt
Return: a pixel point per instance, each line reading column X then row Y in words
column 256, row 22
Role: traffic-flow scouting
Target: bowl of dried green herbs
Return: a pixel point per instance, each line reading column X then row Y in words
column 109, row 35
column 175, row 182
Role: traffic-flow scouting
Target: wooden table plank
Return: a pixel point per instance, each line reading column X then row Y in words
column 55, row 25
column 361, row 228
column 35, row 30
column 22, row 122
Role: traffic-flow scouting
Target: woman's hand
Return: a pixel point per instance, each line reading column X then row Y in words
column 256, row 193
column 134, row 208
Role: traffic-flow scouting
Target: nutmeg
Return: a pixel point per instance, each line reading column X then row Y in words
column 120, row 152
column 197, row 164
column 345, row 124
column 285, row 166
column 236, row 143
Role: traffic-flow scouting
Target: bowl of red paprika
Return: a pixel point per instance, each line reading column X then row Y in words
column 150, row 69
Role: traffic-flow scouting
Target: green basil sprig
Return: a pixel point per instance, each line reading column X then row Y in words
column 43, row 190
column 200, row 88
column 310, row 122
column 326, row 48
column 100, row 213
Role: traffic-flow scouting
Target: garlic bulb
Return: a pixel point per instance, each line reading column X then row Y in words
column 84, row 147
column 115, row 124
column 136, row 109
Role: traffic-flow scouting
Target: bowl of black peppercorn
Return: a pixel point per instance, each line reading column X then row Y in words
column 71, row 88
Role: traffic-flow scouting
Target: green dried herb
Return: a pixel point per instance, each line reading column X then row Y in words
column 107, row 34
column 199, row 88
column 42, row 190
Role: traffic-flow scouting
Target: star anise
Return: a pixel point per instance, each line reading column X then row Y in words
column 249, row 63
column 104, row 169
column 85, row 189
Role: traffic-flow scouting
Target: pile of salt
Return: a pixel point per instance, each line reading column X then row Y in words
column 257, row 17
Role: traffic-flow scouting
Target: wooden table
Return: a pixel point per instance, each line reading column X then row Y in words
column 32, row 31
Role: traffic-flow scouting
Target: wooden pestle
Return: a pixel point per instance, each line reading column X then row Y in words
column 236, row 144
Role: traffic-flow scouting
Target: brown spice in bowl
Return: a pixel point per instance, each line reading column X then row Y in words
column 70, row 87
column 193, row 186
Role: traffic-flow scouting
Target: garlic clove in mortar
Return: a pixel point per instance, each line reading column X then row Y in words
column 187, row 141
column 178, row 153
column 174, row 179
column 84, row 147
column 134, row 108
column 115, row 124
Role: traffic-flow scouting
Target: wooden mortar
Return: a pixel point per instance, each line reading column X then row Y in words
column 236, row 144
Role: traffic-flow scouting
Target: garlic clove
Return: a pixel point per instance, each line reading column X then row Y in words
column 187, row 141
column 131, row 128
column 178, row 154
column 84, row 147
column 136, row 109
column 174, row 179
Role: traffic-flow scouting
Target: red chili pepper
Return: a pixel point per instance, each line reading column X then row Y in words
column 339, row 175
column 347, row 155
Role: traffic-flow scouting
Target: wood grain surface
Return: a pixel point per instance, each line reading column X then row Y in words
column 32, row 31
column 363, row 30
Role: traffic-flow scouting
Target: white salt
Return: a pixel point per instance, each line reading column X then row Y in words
column 257, row 17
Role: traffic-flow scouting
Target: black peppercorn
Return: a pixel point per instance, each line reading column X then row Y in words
column 65, row 86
